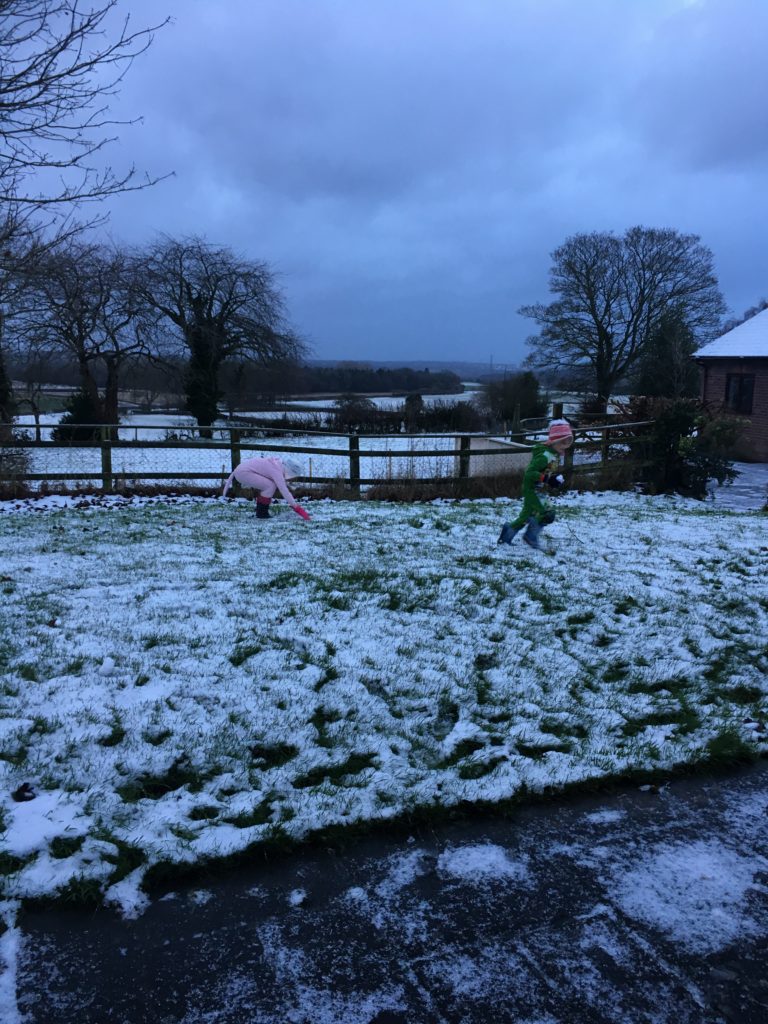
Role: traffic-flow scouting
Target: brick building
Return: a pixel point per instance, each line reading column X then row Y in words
column 735, row 378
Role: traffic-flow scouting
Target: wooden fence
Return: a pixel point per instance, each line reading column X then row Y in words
column 595, row 448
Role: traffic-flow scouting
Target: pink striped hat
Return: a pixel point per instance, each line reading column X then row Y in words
column 559, row 430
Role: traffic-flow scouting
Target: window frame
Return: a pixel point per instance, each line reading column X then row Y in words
column 740, row 393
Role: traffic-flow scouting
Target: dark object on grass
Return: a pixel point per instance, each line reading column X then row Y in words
column 23, row 793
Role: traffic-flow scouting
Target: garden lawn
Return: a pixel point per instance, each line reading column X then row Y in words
column 179, row 682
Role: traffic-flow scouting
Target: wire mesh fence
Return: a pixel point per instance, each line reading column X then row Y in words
column 181, row 454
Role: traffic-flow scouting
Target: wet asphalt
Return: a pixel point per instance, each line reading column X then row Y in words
column 631, row 906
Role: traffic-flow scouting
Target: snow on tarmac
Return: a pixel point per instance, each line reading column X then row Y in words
column 693, row 892
column 448, row 927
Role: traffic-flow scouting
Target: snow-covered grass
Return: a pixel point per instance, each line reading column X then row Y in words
column 180, row 681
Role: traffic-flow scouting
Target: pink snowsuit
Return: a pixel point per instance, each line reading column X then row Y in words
column 264, row 475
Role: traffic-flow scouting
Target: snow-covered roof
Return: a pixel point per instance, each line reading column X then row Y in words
column 748, row 339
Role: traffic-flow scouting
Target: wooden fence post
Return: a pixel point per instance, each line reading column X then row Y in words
column 235, row 459
column 568, row 458
column 604, row 449
column 557, row 410
column 234, row 449
column 106, row 459
column 464, row 449
column 354, row 462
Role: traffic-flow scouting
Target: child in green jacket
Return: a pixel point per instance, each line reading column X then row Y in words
column 542, row 468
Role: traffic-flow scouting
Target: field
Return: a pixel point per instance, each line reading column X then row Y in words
column 180, row 682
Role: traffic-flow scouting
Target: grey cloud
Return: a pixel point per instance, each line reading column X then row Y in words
column 703, row 83
column 408, row 166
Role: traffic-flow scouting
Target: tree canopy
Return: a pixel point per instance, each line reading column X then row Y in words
column 519, row 392
column 219, row 306
column 60, row 63
column 612, row 295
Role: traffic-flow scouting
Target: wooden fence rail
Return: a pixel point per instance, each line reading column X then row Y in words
column 593, row 449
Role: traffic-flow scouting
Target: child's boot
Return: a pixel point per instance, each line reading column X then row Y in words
column 531, row 535
column 508, row 533
column 262, row 508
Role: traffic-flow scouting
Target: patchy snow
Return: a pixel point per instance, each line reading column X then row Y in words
column 403, row 870
column 696, row 893
column 180, row 681
column 481, row 862
column 606, row 817
column 297, row 897
column 440, row 928
column 749, row 491
column 10, row 942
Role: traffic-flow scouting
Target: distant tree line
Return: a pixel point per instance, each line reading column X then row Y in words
column 358, row 414
column 361, row 378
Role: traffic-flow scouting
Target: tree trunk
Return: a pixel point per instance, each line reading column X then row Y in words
column 111, row 396
column 201, row 383
column 7, row 405
column 91, row 388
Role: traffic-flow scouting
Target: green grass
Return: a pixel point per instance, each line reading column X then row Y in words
column 267, row 756
column 152, row 787
column 204, row 812
column 10, row 863
column 743, row 694
column 461, row 751
column 334, row 773
column 65, row 846
column 116, row 735
column 322, row 718
column 479, row 769
column 242, row 654
column 728, row 749
column 686, row 719
column 261, row 814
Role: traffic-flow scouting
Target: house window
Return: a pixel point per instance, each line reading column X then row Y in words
column 738, row 392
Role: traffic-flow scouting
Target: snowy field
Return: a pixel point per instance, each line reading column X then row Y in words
column 471, row 393
column 180, row 682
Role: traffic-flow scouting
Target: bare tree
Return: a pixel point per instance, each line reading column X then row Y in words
column 60, row 63
column 747, row 315
column 612, row 296
column 517, row 393
column 20, row 249
column 219, row 306
column 31, row 392
column 87, row 307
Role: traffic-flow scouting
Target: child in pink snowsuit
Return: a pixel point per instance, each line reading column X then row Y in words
column 267, row 476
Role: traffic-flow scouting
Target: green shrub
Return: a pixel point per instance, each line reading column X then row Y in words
column 74, row 425
column 687, row 447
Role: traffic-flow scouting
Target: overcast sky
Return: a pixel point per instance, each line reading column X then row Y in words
column 407, row 166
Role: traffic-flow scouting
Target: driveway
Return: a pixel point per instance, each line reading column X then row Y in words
column 641, row 905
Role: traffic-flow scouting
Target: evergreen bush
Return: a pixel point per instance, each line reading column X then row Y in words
column 74, row 425
column 687, row 447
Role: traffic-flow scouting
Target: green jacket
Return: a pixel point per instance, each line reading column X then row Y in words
column 543, row 460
